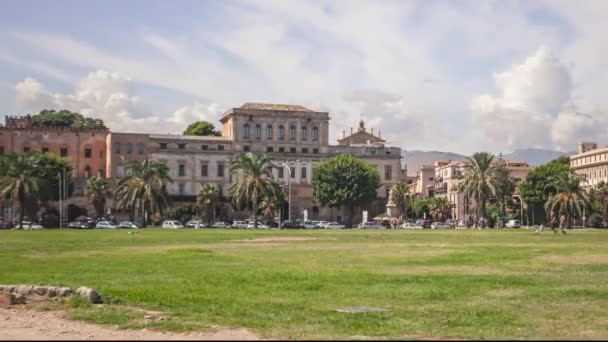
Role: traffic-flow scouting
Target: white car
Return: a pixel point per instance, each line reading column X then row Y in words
column 260, row 225
column 220, row 224
column 409, row 225
column 128, row 224
column 239, row 224
column 195, row 224
column 440, row 225
column 172, row 224
column 105, row 225
column 321, row 224
column 513, row 224
column 310, row 225
column 370, row 225
column 334, row 225
column 31, row 226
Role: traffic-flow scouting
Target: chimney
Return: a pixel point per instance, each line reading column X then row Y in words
column 351, row 131
column 372, row 131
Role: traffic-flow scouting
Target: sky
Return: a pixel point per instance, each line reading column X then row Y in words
column 459, row 76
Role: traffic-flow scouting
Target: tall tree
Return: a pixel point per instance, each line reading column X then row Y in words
column 18, row 181
column 599, row 195
column 202, row 128
column 65, row 118
column 271, row 204
column 505, row 187
column 569, row 198
column 345, row 181
column 439, row 208
column 253, row 180
column 97, row 190
column 145, row 188
column 400, row 196
column 206, row 199
column 480, row 180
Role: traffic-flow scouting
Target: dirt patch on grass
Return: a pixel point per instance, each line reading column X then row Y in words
column 505, row 293
column 26, row 323
column 577, row 259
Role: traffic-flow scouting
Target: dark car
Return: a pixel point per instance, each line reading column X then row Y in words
column 79, row 225
column 291, row 225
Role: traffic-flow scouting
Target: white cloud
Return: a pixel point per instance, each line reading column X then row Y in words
column 186, row 115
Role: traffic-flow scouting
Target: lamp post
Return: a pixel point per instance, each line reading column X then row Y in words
column 521, row 202
column 288, row 191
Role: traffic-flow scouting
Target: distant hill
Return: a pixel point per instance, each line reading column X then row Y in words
column 534, row 156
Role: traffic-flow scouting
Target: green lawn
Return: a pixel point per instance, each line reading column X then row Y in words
column 451, row 284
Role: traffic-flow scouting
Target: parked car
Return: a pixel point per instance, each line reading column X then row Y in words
column 239, row 224
column 513, row 224
column 260, row 225
column 334, row 225
column 423, row 223
column 128, row 224
column 3, row 225
column 440, row 225
column 195, row 224
column 172, row 224
column 310, row 225
column 291, row 225
column 409, row 225
column 31, row 226
column 370, row 225
column 79, row 225
column 105, row 225
column 220, row 224
column 321, row 224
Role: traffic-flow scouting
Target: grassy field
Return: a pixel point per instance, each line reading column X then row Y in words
column 436, row 284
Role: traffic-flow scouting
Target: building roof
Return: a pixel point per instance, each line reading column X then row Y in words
column 189, row 137
column 274, row 106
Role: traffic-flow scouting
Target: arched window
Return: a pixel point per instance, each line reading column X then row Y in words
column 315, row 134
column 258, row 132
column 87, row 172
column 129, row 148
column 304, row 134
column 281, row 132
column 292, row 132
column 269, row 132
column 246, row 131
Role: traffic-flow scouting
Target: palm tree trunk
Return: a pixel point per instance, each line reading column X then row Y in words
column 255, row 212
column 351, row 213
column 21, row 209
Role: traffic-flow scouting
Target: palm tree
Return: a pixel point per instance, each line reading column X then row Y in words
column 568, row 200
column 18, row 181
column 505, row 186
column 206, row 199
column 271, row 204
column 97, row 190
column 144, row 188
column 400, row 195
column 480, row 181
column 253, row 180
column 439, row 208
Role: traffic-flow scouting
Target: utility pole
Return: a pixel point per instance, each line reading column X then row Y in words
column 288, row 191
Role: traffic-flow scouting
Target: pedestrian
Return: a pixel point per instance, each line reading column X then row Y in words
column 539, row 230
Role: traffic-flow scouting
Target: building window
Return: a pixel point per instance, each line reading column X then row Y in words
column 281, row 149
column 204, row 169
column 87, row 153
column 100, row 173
column 1, row 149
column 292, row 149
column 204, row 147
column 246, row 131
column 281, row 172
column 304, row 134
column 292, row 173
column 258, row 132
column 304, row 150
column 388, row 172
column 116, row 147
column 129, row 148
column 315, row 134
column 181, row 146
column 163, row 146
column 281, row 132
column 220, row 147
column 246, row 148
column 430, row 178
column 181, row 170
column 269, row 132
column 315, row 150
column 303, row 173
column 181, row 188
column 269, row 149
column 26, row 149
column 45, row 150
column 292, row 132
column 87, row 172
column 140, row 147
column 220, row 170
column 63, row 151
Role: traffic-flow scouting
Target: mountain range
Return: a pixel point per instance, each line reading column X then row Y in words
column 415, row 159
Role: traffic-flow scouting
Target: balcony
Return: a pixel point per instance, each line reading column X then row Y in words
column 441, row 188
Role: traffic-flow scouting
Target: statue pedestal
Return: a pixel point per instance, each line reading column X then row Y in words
column 391, row 210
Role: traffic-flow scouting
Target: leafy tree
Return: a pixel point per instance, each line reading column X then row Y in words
column 419, row 206
column 345, row 181
column 536, row 188
column 145, row 188
column 439, row 208
column 206, row 199
column 480, row 181
column 183, row 213
column 569, row 198
column 253, row 181
column 271, row 204
column 19, row 182
column 65, row 118
column 599, row 196
column 504, row 188
column 400, row 196
column 202, row 128
column 97, row 190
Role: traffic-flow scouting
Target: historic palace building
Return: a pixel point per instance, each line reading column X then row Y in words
column 591, row 163
column 297, row 138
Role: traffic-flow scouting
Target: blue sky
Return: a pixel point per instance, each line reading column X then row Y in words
column 442, row 75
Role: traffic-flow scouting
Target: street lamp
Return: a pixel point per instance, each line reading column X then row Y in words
column 521, row 202
column 289, row 191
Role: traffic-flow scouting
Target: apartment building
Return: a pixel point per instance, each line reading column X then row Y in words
column 591, row 162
